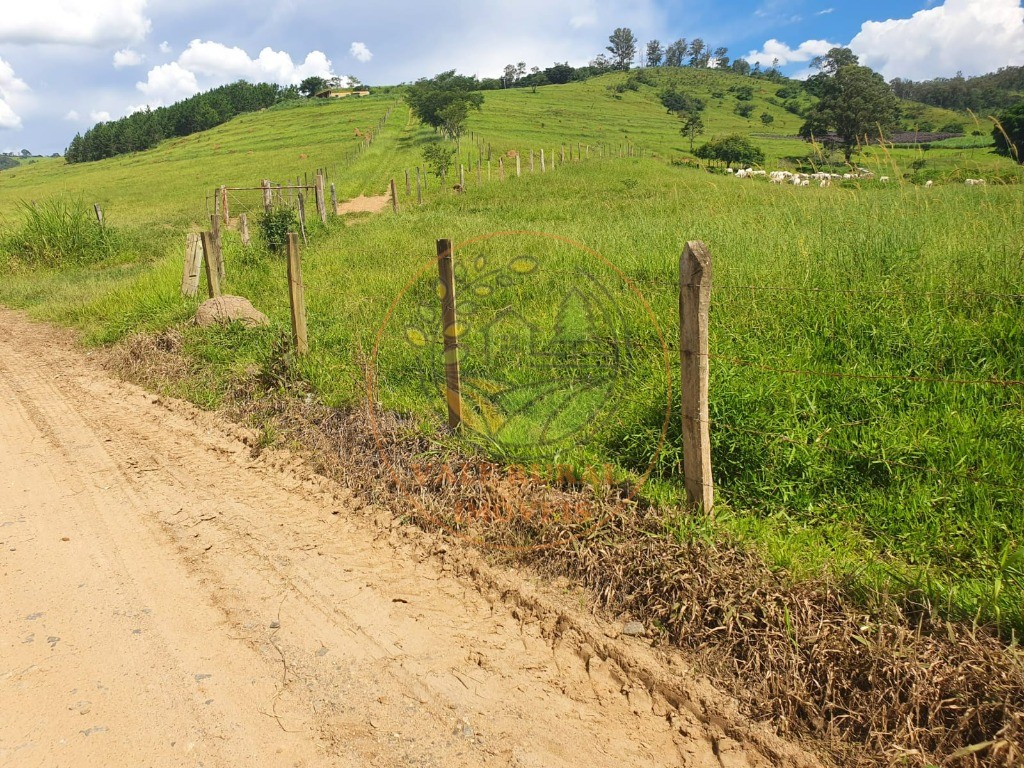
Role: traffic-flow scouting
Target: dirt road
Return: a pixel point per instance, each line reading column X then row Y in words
column 168, row 599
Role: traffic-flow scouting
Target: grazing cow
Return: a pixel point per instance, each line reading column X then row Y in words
column 975, row 182
column 883, row 179
column 929, row 183
column 825, row 183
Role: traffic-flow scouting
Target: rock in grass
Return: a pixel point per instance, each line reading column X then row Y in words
column 634, row 629
column 229, row 309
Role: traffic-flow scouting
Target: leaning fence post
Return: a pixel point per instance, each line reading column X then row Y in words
column 217, row 245
column 297, row 295
column 408, row 187
column 209, row 259
column 694, row 304
column 450, row 330
column 394, row 197
column 334, row 200
column 99, row 213
column 193, row 256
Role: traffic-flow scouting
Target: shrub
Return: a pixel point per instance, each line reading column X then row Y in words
column 734, row 148
column 274, row 226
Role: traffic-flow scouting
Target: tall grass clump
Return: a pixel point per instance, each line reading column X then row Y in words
column 59, row 232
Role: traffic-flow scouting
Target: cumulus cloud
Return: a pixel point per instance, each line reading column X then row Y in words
column 207, row 64
column 12, row 88
column 126, row 57
column 360, row 52
column 165, row 47
column 72, row 22
column 974, row 36
column 99, row 116
column 72, row 116
column 167, row 84
column 773, row 49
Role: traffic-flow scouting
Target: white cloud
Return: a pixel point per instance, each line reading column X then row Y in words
column 126, row 57
column 773, row 50
column 12, row 89
column 167, row 84
column 973, row 36
column 581, row 20
column 207, row 64
column 360, row 52
column 72, row 116
column 72, row 22
column 99, row 116
column 165, row 47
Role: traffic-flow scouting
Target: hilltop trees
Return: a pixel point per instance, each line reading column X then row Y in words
column 853, row 101
column 654, row 53
column 675, row 53
column 311, row 86
column 622, row 48
column 1009, row 133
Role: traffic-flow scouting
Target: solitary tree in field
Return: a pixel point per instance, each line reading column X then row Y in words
column 654, row 53
column 1009, row 133
column 734, row 148
column 767, row 119
column 853, row 102
column 693, row 126
column 439, row 157
column 622, row 48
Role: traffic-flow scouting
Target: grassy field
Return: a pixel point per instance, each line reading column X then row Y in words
column 893, row 484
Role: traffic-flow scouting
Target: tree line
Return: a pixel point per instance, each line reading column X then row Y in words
column 145, row 129
column 984, row 94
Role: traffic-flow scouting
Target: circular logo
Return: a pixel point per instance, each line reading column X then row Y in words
column 544, row 332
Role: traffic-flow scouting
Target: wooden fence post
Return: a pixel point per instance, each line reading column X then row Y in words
column 394, row 197
column 193, row 257
column 243, row 225
column 563, row 154
column 217, row 246
column 694, row 304
column 531, row 161
column 408, row 188
column 419, row 188
column 210, row 260
column 501, row 169
column 297, row 295
column 224, row 203
column 321, row 203
column 519, row 166
column 462, row 177
column 450, row 330
column 268, row 196
column 479, row 172
column 334, row 200
column 99, row 213
column 542, row 168
column 302, row 218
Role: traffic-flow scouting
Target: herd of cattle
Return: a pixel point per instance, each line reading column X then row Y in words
column 823, row 179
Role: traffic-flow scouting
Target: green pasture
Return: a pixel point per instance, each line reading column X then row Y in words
column 905, row 482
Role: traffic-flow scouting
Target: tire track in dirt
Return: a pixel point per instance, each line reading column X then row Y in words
column 211, row 606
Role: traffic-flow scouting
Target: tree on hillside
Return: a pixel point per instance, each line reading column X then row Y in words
column 853, row 102
column 734, row 148
column 559, row 73
column 675, row 53
column 721, row 57
column 439, row 157
column 654, row 53
column 692, row 127
column 312, row 85
column 622, row 48
column 1009, row 133
column 443, row 102
column 827, row 67
column 740, row 67
column 700, row 55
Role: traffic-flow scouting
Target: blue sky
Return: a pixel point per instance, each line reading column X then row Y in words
column 66, row 64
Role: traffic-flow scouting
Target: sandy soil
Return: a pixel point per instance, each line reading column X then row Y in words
column 365, row 204
column 169, row 598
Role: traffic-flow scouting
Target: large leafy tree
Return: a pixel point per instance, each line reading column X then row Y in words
column 622, row 48
column 1009, row 133
column 734, row 148
column 443, row 102
column 312, row 85
column 676, row 52
column 854, row 101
